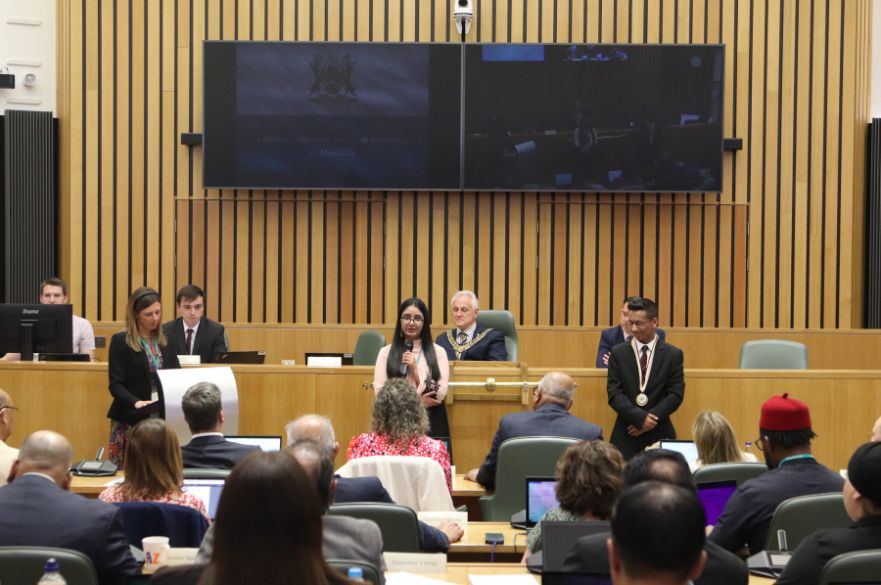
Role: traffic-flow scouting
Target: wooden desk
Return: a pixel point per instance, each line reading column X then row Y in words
column 473, row 548
column 90, row 487
column 468, row 493
column 458, row 572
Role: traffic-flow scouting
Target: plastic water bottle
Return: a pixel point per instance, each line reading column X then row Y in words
column 356, row 574
column 51, row 574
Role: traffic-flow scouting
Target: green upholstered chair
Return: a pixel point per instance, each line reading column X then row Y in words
column 502, row 321
column 773, row 354
column 804, row 515
column 518, row 459
column 398, row 524
column 367, row 348
column 739, row 472
column 24, row 565
column 863, row 566
column 198, row 473
column 371, row 573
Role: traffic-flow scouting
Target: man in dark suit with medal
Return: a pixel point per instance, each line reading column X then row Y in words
column 470, row 341
column 645, row 384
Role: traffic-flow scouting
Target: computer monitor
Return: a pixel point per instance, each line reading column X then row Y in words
column 265, row 442
column 29, row 329
column 541, row 496
column 207, row 490
column 686, row 447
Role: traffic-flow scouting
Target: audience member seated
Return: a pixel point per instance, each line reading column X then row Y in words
column 550, row 417
column 657, row 536
column 785, row 439
column 398, row 428
column 876, row 430
column 468, row 340
column 589, row 479
column 37, row 510
column 8, row 454
column 153, row 470
column 862, row 500
column 312, row 428
column 589, row 554
column 192, row 333
column 715, row 441
column 203, row 411
column 611, row 337
column 268, row 529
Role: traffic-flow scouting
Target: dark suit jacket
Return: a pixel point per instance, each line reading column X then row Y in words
column 209, row 342
column 130, row 379
column 609, row 338
column 489, row 349
column 590, row 555
column 36, row 512
column 548, row 420
column 665, row 390
column 370, row 489
column 214, row 452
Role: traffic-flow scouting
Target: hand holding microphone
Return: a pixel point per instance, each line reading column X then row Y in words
column 407, row 358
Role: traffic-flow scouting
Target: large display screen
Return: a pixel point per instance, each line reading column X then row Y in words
column 332, row 115
column 593, row 117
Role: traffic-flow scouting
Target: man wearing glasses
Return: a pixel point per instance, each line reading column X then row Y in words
column 8, row 454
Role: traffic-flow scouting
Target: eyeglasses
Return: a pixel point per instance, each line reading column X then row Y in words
column 411, row 318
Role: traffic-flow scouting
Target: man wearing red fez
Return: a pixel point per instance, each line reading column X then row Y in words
column 785, row 438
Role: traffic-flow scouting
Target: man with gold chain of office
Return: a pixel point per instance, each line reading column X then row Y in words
column 468, row 340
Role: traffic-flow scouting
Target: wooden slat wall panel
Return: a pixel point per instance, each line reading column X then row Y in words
column 779, row 247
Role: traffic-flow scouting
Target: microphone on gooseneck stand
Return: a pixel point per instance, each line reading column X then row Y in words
column 405, row 369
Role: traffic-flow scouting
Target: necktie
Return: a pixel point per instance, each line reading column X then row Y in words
column 644, row 361
column 462, row 338
column 627, row 338
column 189, row 341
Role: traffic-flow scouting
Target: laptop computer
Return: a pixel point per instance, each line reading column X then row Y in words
column 557, row 541
column 541, row 495
column 265, row 442
column 207, row 490
column 687, row 448
column 713, row 496
column 242, row 357
column 557, row 578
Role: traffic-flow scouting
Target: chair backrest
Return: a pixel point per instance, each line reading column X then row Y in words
column 199, row 473
column 371, row 573
column 739, row 472
column 502, row 321
column 773, row 354
column 518, row 459
column 184, row 526
column 804, row 515
column 416, row 482
column 24, row 565
column 863, row 566
column 398, row 524
column 367, row 348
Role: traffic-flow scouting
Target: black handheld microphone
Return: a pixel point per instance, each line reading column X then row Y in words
column 405, row 369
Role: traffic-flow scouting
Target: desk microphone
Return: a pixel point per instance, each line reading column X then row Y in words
column 405, row 369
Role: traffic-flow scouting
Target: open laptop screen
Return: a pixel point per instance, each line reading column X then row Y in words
column 713, row 496
column 541, row 495
column 265, row 442
column 687, row 448
column 207, row 490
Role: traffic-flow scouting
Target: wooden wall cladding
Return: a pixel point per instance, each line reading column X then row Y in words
column 779, row 247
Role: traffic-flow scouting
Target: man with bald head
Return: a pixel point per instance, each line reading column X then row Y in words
column 876, row 431
column 39, row 511
column 8, row 454
column 549, row 418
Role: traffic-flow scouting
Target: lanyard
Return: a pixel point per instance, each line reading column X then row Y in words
column 648, row 368
column 796, row 458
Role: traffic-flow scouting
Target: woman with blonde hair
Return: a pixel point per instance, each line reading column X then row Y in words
column 134, row 358
column 715, row 441
column 153, row 469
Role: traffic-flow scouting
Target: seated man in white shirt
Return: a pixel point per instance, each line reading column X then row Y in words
column 8, row 454
column 53, row 291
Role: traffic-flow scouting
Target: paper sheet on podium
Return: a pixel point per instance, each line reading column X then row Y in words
column 176, row 382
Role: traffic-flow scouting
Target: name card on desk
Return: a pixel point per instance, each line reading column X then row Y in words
column 435, row 518
column 416, row 562
column 180, row 556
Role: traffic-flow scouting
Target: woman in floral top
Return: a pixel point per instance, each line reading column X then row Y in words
column 398, row 428
column 153, row 469
column 588, row 481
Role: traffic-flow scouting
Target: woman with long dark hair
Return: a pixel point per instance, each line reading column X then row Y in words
column 267, row 529
column 413, row 355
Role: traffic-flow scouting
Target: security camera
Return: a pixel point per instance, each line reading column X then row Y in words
column 463, row 12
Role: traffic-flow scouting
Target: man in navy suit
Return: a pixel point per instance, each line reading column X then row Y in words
column 618, row 334
column 549, row 418
column 470, row 341
column 38, row 510
column 646, row 383
column 203, row 411
column 312, row 428
column 192, row 333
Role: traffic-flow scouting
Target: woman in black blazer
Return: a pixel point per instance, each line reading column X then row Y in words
column 135, row 356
